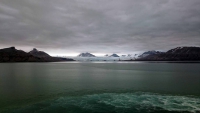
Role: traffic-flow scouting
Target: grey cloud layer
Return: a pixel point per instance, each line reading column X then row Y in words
column 100, row 25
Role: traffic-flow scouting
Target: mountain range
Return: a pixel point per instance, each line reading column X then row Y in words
column 11, row 54
column 176, row 54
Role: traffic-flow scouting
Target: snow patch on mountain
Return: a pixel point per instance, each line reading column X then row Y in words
column 86, row 55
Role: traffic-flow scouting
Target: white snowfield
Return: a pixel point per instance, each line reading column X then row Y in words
column 105, row 58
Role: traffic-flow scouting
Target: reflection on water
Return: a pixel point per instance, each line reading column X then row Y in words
column 23, row 84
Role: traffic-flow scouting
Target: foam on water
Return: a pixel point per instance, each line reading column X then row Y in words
column 138, row 102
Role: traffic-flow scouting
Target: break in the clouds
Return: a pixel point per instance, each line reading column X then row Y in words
column 99, row 26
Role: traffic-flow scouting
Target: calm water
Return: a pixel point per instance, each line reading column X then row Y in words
column 99, row 87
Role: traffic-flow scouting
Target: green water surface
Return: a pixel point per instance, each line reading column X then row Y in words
column 91, row 87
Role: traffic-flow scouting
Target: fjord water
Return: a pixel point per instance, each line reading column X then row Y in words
column 91, row 87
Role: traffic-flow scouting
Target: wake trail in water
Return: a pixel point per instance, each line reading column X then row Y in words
column 138, row 102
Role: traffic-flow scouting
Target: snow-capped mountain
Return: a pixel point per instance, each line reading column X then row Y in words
column 86, row 55
column 145, row 54
column 114, row 55
column 130, row 57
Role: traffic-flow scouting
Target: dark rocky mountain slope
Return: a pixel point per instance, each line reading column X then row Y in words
column 176, row 54
column 47, row 57
column 11, row 54
column 40, row 54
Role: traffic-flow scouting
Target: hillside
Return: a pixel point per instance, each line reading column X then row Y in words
column 176, row 54
column 11, row 54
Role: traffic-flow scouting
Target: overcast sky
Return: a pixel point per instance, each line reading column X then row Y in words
column 68, row 27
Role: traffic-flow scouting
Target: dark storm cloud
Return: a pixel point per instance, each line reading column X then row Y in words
column 99, row 25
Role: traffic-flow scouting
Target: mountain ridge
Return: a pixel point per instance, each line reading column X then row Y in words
column 176, row 54
column 114, row 55
column 11, row 54
column 86, row 55
column 40, row 54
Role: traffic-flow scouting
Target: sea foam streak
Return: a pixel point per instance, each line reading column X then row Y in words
column 139, row 102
